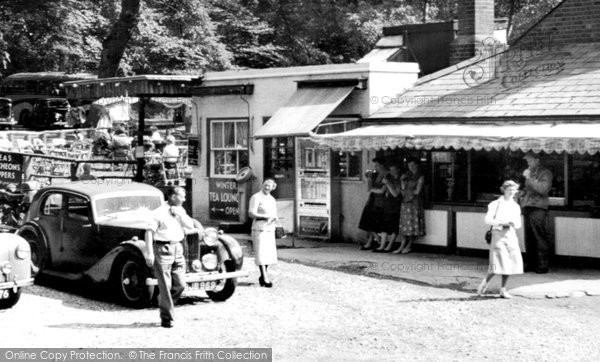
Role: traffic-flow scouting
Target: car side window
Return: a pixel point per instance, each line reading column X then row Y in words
column 78, row 208
column 52, row 205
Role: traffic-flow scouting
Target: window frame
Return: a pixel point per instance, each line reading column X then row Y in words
column 211, row 151
column 344, row 122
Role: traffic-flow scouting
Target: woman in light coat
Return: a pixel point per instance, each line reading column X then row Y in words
column 263, row 209
column 504, row 216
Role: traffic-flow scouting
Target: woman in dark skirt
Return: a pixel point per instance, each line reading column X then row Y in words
column 371, row 218
column 390, row 221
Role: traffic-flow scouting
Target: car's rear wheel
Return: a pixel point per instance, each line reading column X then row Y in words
column 128, row 279
column 24, row 118
column 229, row 285
column 13, row 298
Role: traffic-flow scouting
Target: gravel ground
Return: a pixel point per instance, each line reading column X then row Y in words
column 316, row 314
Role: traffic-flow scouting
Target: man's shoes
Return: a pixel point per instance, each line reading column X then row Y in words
column 166, row 324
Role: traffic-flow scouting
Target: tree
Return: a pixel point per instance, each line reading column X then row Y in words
column 248, row 38
column 56, row 36
column 115, row 43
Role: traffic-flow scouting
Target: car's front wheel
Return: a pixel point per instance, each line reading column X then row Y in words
column 228, row 285
column 9, row 298
column 128, row 280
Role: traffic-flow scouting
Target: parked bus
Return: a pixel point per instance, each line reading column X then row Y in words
column 26, row 90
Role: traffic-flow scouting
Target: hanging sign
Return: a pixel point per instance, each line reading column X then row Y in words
column 11, row 168
column 223, row 200
column 193, row 151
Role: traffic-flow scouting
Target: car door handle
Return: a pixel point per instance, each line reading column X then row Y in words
column 86, row 225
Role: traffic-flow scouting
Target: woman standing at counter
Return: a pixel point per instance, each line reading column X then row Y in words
column 263, row 209
column 371, row 218
column 504, row 215
column 412, row 213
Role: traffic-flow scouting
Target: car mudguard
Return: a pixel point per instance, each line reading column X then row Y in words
column 34, row 228
column 234, row 249
column 100, row 272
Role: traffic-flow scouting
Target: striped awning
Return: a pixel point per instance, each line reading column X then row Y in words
column 304, row 111
column 547, row 137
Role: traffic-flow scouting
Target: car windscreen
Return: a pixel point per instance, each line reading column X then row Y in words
column 113, row 206
column 58, row 103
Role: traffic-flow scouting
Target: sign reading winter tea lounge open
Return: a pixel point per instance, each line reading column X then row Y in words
column 223, row 200
column 11, row 168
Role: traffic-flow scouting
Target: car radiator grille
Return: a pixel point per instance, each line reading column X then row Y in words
column 191, row 250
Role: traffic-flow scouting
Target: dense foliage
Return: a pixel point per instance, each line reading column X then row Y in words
column 163, row 36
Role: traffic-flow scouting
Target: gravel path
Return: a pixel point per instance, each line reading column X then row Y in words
column 316, row 314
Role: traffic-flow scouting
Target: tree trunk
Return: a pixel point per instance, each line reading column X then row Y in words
column 113, row 46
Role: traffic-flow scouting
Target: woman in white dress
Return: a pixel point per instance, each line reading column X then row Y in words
column 263, row 209
column 504, row 215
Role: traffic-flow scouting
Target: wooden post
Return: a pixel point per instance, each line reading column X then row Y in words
column 74, row 167
column 139, row 175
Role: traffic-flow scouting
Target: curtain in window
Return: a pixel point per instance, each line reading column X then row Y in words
column 242, row 134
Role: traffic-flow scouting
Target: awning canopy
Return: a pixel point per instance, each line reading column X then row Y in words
column 547, row 137
column 304, row 111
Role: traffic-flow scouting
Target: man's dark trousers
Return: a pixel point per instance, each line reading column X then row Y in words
column 537, row 243
column 169, row 267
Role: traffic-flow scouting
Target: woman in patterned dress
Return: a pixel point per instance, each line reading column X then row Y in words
column 412, row 214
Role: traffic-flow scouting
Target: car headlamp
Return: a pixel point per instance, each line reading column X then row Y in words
column 6, row 268
column 196, row 265
column 211, row 236
column 23, row 251
column 210, row 261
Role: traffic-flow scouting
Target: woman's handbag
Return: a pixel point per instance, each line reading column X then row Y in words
column 279, row 232
column 488, row 234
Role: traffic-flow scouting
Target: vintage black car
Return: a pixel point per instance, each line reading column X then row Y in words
column 7, row 119
column 95, row 230
column 15, row 268
column 47, row 113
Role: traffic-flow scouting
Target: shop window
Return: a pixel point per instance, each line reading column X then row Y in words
column 450, row 176
column 344, row 164
column 279, row 164
column 228, row 146
column 279, row 154
column 489, row 169
column 585, row 181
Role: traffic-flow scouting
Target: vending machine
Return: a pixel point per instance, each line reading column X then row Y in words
column 313, row 190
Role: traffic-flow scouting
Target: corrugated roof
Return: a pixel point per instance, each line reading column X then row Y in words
column 561, row 81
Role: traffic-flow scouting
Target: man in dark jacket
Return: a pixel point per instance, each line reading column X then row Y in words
column 534, row 203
